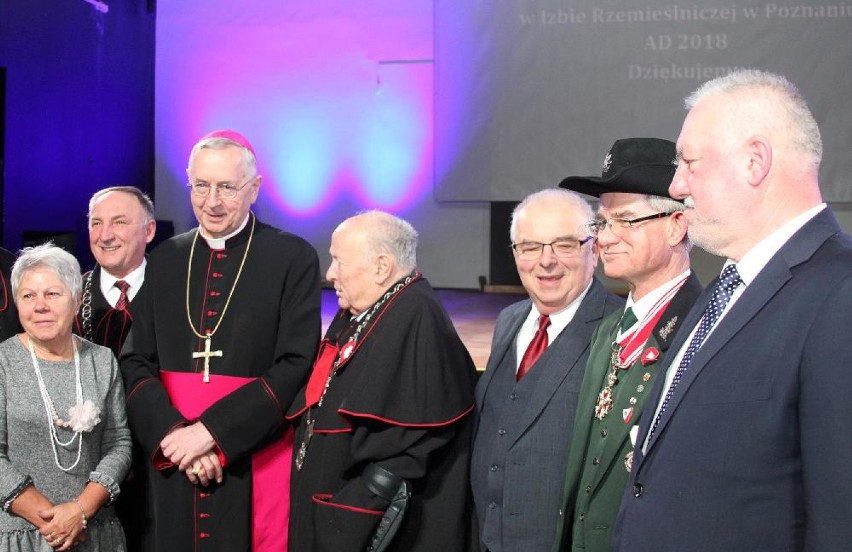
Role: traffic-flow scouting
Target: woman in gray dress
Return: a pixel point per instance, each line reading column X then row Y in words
column 64, row 440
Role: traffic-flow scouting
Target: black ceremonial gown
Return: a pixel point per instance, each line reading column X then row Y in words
column 100, row 323
column 269, row 332
column 10, row 324
column 403, row 401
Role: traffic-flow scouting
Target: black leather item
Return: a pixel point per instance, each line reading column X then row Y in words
column 381, row 482
column 396, row 491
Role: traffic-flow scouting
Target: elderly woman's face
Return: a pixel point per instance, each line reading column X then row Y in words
column 45, row 305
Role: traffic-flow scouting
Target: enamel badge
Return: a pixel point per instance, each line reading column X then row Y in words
column 604, row 404
column 628, row 461
column 347, row 350
column 650, row 355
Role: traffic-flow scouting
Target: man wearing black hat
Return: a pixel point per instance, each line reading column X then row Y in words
column 642, row 236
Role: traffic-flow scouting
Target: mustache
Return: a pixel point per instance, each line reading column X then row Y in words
column 688, row 202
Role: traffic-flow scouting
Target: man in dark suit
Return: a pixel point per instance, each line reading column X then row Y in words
column 642, row 236
column 121, row 225
column 525, row 400
column 748, row 446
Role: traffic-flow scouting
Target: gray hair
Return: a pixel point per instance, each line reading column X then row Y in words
column 248, row 163
column 53, row 257
column 141, row 197
column 555, row 194
column 798, row 121
column 663, row 204
column 390, row 234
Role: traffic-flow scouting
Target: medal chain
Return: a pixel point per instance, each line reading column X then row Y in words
column 362, row 324
column 605, row 398
column 86, row 308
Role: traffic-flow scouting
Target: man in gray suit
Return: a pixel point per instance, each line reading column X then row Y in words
column 525, row 401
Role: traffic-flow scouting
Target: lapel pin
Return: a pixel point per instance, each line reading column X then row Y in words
column 666, row 330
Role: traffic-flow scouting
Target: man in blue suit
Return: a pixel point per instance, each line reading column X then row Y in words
column 526, row 399
column 748, row 447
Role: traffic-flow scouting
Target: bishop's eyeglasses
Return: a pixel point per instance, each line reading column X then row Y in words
column 563, row 248
column 226, row 190
column 596, row 226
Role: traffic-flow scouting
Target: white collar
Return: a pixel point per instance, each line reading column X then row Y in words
column 758, row 256
column 135, row 278
column 219, row 243
column 558, row 319
column 643, row 306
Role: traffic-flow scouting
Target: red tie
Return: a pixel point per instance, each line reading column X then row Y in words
column 535, row 348
column 123, row 301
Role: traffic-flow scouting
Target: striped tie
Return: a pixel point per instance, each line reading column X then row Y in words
column 123, row 301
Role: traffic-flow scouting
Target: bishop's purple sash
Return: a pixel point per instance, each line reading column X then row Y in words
column 270, row 466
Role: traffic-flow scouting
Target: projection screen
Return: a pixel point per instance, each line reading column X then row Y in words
column 528, row 92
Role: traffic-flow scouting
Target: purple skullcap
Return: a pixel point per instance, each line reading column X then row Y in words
column 233, row 136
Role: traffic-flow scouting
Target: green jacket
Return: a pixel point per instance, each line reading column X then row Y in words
column 601, row 451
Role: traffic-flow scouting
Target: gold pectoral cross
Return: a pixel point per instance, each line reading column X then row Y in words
column 206, row 356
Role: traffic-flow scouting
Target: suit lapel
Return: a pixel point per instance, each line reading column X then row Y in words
column 772, row 278
column 504, row 340
column 562, row 357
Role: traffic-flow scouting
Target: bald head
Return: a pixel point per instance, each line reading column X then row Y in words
column 369, row 252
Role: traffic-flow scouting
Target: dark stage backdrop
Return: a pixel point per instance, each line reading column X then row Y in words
column 2, row 141
column 530, row 91
column 79, row 111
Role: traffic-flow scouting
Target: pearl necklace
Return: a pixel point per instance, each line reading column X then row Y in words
column 53, row 419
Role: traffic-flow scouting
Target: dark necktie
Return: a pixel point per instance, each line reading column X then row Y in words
column 535, row 348
column 627, row 320
column 123, row 301
column 722, row 293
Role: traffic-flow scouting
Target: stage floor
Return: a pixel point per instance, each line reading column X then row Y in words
column 472, row 312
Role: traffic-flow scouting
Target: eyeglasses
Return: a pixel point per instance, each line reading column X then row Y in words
column 225, row 191
column 563, row 248
column 595, row 227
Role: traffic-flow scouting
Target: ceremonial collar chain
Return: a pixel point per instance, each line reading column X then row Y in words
column 362, row 324
column 230, row 294
column 83, row 416
column 344, row 354
column 86, row 307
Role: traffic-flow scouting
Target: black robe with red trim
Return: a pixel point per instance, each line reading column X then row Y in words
column 403, row 401
column 269, row 332
column 10, row 324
